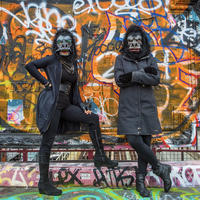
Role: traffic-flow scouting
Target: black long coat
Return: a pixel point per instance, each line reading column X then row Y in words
column 137, row 106
column 46, row 104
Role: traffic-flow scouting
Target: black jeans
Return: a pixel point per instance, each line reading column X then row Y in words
column 141, row 144
column 71, row 113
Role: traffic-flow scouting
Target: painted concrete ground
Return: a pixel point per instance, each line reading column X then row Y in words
column 94, row 193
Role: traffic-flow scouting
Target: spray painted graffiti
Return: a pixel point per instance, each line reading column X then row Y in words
column 126, row 180
column 81, row 6
column 69, row 177
column 26, row 32
column 27, row 175
column 15, row 111
column 103, row 194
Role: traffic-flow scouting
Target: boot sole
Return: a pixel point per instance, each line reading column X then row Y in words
column 101, row 164
column 98, row 165
column 149, row 195
column 50, row 194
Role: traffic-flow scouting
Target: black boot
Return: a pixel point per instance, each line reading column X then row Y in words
column 100, row 158
column 140, row 185
column 164, row 171
column 44, row 186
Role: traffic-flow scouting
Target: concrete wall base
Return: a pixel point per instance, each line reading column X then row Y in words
column 184, row 174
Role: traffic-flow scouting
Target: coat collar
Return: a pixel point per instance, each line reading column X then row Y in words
column 129, row 59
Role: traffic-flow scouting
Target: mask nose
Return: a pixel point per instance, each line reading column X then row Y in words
column 135, row 44
column 64, row 44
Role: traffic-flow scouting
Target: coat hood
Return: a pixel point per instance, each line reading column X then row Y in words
column 145, row 48
column 73, row 54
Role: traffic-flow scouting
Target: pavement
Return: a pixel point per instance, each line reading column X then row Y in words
column 95, row 193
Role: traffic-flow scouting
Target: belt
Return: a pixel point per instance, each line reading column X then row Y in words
column 65, row 88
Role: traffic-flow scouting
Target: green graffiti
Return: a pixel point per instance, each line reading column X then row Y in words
column 91, row 193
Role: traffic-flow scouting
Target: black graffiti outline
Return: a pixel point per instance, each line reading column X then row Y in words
column 98, row 181
column 118, row 178
column 121, row 178
column 61, row 179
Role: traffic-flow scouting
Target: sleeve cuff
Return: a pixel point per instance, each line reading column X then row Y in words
column 133, row 77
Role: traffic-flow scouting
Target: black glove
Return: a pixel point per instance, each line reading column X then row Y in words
column 84, row 107
column 125, row 78
column 151, row 70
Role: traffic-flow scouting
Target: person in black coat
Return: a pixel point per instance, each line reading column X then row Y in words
column 59, row 106
column 136, row 71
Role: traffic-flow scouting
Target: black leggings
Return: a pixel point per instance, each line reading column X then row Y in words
column 71, row 113
column 141, row 144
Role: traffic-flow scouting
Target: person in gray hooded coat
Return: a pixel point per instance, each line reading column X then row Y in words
column 136, row 71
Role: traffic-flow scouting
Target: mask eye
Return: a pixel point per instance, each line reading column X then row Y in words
column 59, row 41
column 68, row 41
column 139, row 41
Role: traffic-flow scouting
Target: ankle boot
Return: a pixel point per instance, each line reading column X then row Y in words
column 100, row 158
column 163, row 171
column 44, row 185
column 140, row 185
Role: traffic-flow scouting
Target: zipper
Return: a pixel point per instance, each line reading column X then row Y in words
column 139, row 104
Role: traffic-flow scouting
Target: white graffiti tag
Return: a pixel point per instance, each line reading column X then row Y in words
column 39, row 23
column 81, row 6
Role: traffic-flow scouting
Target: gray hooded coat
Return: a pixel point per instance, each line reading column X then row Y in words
column 137, row 113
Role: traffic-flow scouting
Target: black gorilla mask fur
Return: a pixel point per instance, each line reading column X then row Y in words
column 135, row 44
column 64, row 45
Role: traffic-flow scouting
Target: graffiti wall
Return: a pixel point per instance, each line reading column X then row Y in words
column 184, row 174
column 26, row 32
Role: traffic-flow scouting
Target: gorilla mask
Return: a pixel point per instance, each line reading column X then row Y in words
column 64, row 44
column 134, row 41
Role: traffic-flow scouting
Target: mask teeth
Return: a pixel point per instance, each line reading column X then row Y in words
column 60, row 49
